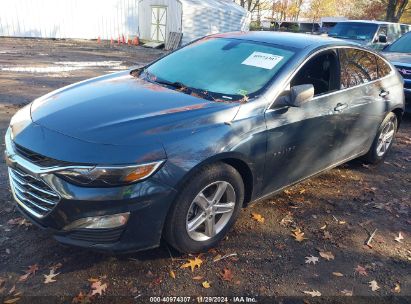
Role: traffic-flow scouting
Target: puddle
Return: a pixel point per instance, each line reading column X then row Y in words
column 65, row 66
column 40, row 69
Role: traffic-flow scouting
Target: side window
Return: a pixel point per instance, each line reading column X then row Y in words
column 357, row 67
column 383, row 68
column 321, row 71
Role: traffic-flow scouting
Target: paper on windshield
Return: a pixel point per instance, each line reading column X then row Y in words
column 263, row 60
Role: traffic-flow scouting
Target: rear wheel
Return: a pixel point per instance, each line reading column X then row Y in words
column 383, row 140
column 205, row 209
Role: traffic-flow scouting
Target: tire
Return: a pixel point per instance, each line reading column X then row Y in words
column 190, row 209
column 378, row 151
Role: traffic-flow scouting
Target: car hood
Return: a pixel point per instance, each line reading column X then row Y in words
column 398, row 58
column 120, row 109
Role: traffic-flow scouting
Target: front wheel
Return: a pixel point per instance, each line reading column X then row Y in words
column 383, row 140
column 205, row 209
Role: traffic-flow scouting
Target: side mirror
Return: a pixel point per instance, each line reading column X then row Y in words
column 382, row 39
column 301, row 94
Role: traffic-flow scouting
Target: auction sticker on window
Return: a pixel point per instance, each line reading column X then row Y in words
column 263, row 60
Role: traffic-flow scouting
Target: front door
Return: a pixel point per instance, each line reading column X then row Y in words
column 158, row 23
column 302, row 141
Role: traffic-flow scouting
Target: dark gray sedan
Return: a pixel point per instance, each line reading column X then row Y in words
column 177, row 148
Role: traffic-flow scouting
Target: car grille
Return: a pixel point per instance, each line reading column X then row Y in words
column 36, row 196
column 404, row 71
column 38, row 159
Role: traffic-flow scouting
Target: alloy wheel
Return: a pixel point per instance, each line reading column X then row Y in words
column 210, row 211
column 386, row 136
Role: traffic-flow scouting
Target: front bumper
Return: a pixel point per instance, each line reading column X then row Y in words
column 147, row 203
column 407, row 93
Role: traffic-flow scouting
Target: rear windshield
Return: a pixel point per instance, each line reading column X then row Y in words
column 225, row 68
column 402, row 45
column 354, row 30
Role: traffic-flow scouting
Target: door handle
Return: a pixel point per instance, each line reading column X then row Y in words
column 340, row 106
column 384, row 93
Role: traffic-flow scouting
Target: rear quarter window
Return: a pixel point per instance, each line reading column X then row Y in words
column 383, row 68
column 357, row 67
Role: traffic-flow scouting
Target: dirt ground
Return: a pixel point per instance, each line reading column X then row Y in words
column 336, row 211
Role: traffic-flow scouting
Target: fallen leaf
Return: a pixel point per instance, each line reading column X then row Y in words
column 19, row 221
column 172, row 274
column 347, row 293
column 226, row 274
column 399, row 238
column 397, row 288
column 98, row 288
column 81, row 298
column 302, row 191
column 298, row 235
column 12, row 301
column 327, row 255
column 287, row 220
column 12, row 290
column 374, row 286
column 217, row 258
column 198, row 278
column 323, row 227
column 50, row 277
column 314, row 293
column 206, row 284
column 31, row 271
column 56, row 266
column 361, row 270
column 311, row 260
column 257, row 217
column 327, row 235
column 193, row 263
column 338, row 274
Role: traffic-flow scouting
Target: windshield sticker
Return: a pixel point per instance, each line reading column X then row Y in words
column 263, row 60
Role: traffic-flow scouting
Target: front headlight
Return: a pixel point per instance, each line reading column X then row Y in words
column 99, row 176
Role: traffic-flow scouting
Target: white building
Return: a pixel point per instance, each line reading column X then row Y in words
column 109, row 19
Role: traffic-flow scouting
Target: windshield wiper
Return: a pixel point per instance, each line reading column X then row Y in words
column 177, row 85
column 181, row 87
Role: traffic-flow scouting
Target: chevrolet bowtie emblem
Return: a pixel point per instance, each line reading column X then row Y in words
column 405, row 71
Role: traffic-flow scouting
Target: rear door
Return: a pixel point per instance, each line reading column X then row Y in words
column 366, row 97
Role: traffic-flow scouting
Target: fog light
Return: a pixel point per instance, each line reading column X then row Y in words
column 99, row 222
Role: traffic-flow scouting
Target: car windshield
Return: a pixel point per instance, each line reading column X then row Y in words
column 354, row 30
column 220, row 68
column 402, row 45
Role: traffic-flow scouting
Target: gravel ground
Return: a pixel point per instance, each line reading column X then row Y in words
column 336, row 211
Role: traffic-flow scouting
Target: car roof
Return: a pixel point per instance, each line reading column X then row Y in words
column 286, row 39
column 368, row 21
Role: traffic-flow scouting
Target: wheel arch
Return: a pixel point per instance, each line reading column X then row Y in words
column 238, row 162
column 398, row 112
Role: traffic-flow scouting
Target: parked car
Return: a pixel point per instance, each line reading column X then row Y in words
column 177, row 148
column 399, row 53
column 373, row 34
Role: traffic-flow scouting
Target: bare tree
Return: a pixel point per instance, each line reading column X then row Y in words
column 250, row 5
column 395, row 9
